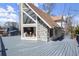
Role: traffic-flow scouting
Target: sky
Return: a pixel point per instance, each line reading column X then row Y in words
column 62, row 8
column 9, row 11
column 65, row 9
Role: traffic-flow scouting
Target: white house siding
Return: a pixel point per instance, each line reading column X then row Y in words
column 42, row 31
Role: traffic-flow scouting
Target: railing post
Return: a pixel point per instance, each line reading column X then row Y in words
column 3, row 50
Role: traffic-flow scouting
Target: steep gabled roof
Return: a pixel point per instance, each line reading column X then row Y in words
column 44, row 16
column 57, row 18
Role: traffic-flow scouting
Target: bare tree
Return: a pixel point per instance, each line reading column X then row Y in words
column 48, row 7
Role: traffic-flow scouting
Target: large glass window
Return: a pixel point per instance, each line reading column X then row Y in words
column 25, row 6
column 31, row 13
column 29, row 31
column 29, row 22
column 26, row 19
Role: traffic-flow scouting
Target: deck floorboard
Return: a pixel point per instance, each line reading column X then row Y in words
column 66, row 47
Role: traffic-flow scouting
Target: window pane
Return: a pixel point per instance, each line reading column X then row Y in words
column 26, row 19
column 25, row 6
column 31, row 13
column 29, row 31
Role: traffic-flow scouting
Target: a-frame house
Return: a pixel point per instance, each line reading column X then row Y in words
column 37, row 25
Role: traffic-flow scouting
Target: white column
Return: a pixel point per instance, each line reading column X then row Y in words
column 36, row 28
column 21, row 10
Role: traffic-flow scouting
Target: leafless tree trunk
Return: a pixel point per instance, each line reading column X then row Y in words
column 48, row 7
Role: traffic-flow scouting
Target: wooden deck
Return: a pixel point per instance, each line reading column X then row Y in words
column 66, row 47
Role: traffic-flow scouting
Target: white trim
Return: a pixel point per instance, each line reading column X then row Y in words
column 29, row 16
column 29, row 25
column 28, row 38
column 36, row 28
column 21, row 19
column 39, row 16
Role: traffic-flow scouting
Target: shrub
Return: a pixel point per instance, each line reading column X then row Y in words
column 77, row 30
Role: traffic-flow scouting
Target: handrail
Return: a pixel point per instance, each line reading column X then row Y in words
column 2, row 50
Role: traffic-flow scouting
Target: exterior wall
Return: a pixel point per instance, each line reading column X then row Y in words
column 42, row 31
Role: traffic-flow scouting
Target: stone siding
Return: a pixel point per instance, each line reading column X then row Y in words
column 42, row 31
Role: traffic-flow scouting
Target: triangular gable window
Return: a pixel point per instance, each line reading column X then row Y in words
column 26, row 19
column 29, row 11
